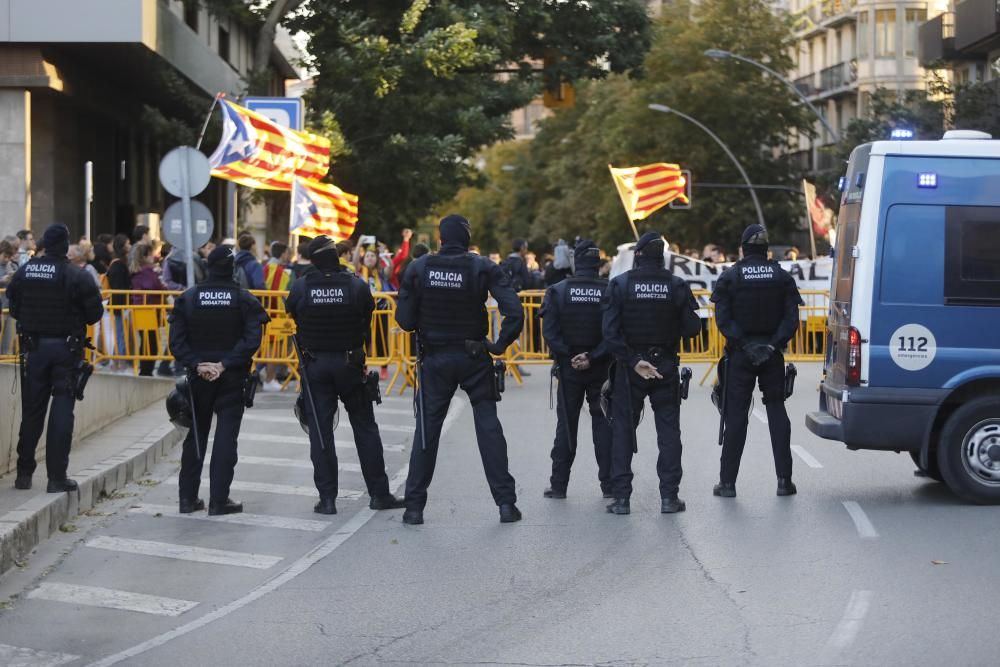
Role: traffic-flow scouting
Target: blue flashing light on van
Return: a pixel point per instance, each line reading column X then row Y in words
column 913, row 349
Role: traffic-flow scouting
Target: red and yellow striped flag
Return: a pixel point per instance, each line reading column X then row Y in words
column 322, row 208
column 259, row 153
column 646, row 189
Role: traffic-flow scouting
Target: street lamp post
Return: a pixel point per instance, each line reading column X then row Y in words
column 720, row 54
column 665, row 109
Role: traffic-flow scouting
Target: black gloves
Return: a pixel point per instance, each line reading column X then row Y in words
column 494, row 348
column 758, row 353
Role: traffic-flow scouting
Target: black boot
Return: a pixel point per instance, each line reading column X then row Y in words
column 607, row 492
column 509, row 513
column 672, row 505
column 725, row 490
column 22, row 482
column 786, row 487
column 620, row 506
column 62, row 486
column 326, row 506
column 386, row 502
column 413, row 516
column 189, row 505
column 554, row 493
column 227, row 506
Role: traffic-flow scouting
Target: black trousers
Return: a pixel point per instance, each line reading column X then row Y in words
column 575, row 387
column 664, row 399
column 331, row 379
column 224, row 398
column 49, row 371
column 444, row 371
column 741, row 376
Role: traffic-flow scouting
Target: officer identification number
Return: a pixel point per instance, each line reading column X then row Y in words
column 40, row 271
column 913, row 347
column 446, row 279
column 651, row 291
column 215, row 298
column 326, row 296
column 757, row 272
column 585, row 294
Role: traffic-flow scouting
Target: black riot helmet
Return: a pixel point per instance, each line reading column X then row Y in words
column 299, row 409
column 754, row 240
column 179, row 404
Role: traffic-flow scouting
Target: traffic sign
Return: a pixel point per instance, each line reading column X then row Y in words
column 285, row 111
column 202, row 224
column 185, row 166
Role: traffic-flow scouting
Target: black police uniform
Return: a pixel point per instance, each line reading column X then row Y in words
column 443, row 298
column 647, row 311
column 216, row 321
column 571, row 324
column 332, row 310
column 53, row 302
column 756, row 304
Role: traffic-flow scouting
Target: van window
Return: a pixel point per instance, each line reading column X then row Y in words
column 972, row 255
column 848, row 223
column 912, row 255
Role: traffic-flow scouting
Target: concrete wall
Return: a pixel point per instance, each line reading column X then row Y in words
column 15, row 156
column 108, row 398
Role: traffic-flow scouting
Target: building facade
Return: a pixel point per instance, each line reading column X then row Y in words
column 964, row 40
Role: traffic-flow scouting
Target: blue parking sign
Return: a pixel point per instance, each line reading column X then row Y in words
column 287, row 111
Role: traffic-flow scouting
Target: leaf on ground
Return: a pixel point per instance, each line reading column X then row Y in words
column 939, row 562
column 394, row 541
column 68, row 528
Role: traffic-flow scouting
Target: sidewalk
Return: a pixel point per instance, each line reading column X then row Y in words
column 102, row 463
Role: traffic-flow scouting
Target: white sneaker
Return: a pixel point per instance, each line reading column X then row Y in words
column 272, row 385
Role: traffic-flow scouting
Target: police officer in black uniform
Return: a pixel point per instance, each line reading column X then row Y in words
column 757, row 310
column 332, row 309
column 215, row 329
column 53, row 302
column 443, row 298
column 647, row 311
column 571, row 324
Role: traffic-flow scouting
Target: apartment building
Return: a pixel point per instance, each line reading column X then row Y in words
column 965, row 40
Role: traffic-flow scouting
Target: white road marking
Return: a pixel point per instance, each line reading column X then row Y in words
column 760, row 416
column 802, row 453
column 850, row 624
column 321, row 551
column 109, row 598
column 16, row 656
column 861, row 521
column 288, row 419
column 283, row 489
column 293, row 463
column 241, row 519
column 184, row 552
column 341, row 443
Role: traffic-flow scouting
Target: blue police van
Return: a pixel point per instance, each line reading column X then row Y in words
column 913, row 354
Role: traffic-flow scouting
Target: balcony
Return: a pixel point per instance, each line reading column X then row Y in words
column 838, row 78
column 977, row 26
column 806, row 85
column 936, row 40
column 835, row 12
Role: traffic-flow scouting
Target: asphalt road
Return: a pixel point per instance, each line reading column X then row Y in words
column 868, row 565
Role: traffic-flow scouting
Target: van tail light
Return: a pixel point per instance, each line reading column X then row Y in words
column 853, row 357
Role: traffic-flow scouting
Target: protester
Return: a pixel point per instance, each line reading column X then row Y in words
column 26, row 246
column 140, row 234
column 117, row 278
column 402, row 258
column 303, row 263
column 80, row 255
column 174, row 274
column 8, row 267
column 371, row 270
column 792, row 254
column 144, row 277
column 247, row 264
column 102, row 253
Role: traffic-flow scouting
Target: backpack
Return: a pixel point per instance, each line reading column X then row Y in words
column 512, row 268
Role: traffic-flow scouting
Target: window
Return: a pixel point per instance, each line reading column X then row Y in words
column 223, row 43
column 864, row 35
column 191, row 15
column 885, row 33
column 911, row 255
column 972, row 255
column 914, row 17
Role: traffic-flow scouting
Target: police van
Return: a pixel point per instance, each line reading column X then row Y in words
column 913, row 349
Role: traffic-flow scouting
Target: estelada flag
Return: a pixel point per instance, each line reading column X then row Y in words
column 322, row 208
column 645, row 189
column 259, row 153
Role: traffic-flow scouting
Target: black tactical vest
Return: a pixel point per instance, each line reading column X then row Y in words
column 330, row 319
column 214, row 317
column 45, row 306
column 580, row 313
column 758, row 296
column 650, row 316
column 452, row 306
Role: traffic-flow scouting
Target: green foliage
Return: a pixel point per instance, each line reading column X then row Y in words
column 562, row 187
column 417, row 91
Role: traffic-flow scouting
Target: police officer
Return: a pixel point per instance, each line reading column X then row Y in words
column 571, row 324
column 757, row 310
column 53, row 302
column 215, row 329
column 647, row 311
column 332, row 309
column 443, row 298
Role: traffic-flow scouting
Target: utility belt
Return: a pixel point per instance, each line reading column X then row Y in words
column 77, row 344
column 475, row 349
column 657, row 355
column 355, row 357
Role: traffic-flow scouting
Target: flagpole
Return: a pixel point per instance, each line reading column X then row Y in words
column 208, row 117
column 631, row 222
column 809, row 220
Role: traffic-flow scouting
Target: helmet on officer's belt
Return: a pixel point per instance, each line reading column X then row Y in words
column 179, row 404
column 605, row 398
column 300, row 413
column 717, row 396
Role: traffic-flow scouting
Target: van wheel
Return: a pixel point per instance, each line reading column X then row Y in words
column 933, row 471
column 969, row 451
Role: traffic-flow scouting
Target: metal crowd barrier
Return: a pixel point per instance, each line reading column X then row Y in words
column 135, row 329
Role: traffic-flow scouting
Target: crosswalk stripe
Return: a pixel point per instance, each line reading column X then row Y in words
column 109, row 598
column 379, row 410
column 806, row 457
column 283, row 489
column 342, row 442
column 17, row 656
column 241, row 519
column 289, row 419
column 293, row 463
column 183, row 552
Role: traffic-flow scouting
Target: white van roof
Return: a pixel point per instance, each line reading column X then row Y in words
column 957, row 143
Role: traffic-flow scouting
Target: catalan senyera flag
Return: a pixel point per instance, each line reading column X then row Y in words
column 322, row 208
column 645, row 189
column 259, row 153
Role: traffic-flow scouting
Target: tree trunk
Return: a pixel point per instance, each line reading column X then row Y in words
column 265, row 42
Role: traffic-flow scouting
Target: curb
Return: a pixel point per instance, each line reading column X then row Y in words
column 23, row 529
